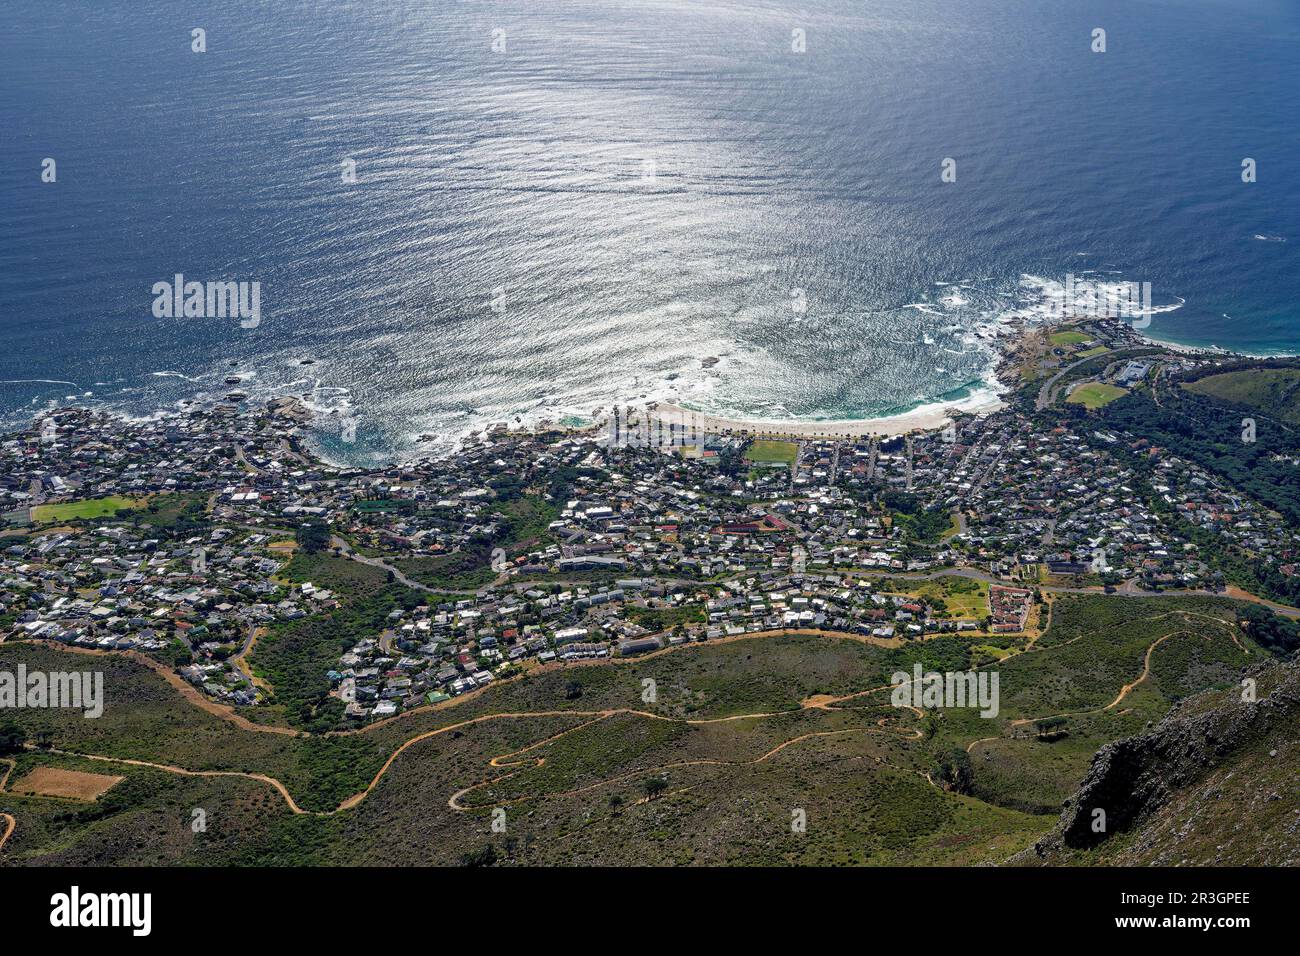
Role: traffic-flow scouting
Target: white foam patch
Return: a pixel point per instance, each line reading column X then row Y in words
column 170, row 374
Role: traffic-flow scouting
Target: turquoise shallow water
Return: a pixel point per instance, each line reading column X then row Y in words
column 625, row 191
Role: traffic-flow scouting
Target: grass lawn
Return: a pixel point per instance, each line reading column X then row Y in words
column 1090, row 353
column 1069, row 337
column 89, row 508
column 774, row 451
column 457, row 571
column 528, row 519
column 1094, row 395
column 665, row 618
column 965, row 599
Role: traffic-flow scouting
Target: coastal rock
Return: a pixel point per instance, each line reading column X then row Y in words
column 290, row 408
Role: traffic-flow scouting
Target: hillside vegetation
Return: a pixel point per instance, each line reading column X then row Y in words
column 740, row 740
column 1213, row 784
column 1275, row 391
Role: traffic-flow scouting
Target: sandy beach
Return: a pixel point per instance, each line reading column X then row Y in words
column 923, row 418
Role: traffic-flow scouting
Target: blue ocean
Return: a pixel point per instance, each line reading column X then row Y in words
column 460, row 213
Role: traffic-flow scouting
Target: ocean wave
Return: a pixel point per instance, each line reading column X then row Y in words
column 168, row 374
column 912, row 362
column 1047, row 300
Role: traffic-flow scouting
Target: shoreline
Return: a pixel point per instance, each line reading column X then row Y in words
column 928, row 417
column 1216, row 351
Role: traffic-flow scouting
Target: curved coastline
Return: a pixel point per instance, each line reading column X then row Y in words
column 928, row 416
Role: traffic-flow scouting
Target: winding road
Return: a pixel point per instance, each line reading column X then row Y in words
column 517, row 761
column 10, row 823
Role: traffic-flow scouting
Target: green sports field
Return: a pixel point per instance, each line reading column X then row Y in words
column 89, row 508
column 772, row 451
column 1095, row 395
column 1069, row 337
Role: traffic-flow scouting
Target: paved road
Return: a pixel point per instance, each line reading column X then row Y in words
column 347, row 551
column 1046, row 396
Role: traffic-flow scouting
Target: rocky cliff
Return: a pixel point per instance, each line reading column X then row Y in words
column 1216, row 782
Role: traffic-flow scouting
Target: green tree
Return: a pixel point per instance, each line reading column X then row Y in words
column 12, row 738
column 954, row 771
column 484, row 856
column 313, row 536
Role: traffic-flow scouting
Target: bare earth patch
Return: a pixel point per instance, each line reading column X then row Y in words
column 820, row 701
column 54, row 782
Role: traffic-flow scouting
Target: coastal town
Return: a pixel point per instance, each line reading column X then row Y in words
column 214, row 541
column 446, row 438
